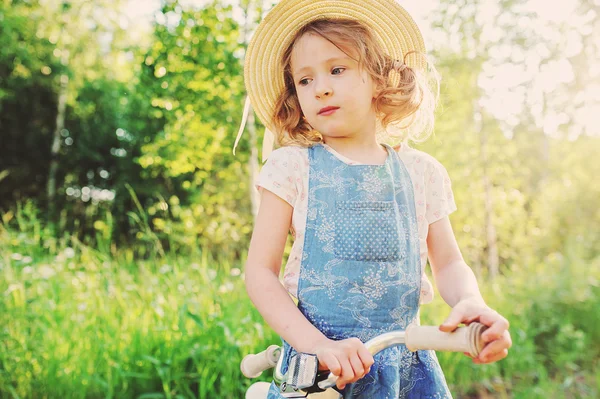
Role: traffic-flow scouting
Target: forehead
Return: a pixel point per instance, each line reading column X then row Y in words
column 312, row 51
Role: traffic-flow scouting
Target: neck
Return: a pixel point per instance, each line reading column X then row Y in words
column 361, row 149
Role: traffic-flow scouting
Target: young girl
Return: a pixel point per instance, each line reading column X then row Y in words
column 331, row 78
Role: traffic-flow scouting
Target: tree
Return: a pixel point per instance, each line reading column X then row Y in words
column 193, row 76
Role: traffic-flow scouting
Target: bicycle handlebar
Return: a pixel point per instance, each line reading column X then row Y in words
column 254, row 364
column 463, row 339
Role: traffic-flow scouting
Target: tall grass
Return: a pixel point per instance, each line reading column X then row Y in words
column 553, row 308
column 78, row 322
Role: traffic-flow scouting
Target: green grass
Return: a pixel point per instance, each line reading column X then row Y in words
column 80, row 323
column 555, row 327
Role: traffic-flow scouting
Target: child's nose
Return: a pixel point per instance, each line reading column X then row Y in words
column 323, row 89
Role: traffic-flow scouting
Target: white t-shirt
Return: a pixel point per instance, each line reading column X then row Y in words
column 286, row 175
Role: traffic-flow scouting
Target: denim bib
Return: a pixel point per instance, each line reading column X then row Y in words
column 360, row 274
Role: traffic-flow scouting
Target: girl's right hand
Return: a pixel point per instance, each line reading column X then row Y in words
column 347, row 359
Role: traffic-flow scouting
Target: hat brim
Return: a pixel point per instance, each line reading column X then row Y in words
column 390, row 24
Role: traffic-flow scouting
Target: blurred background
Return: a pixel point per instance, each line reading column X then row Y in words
column 125, row 217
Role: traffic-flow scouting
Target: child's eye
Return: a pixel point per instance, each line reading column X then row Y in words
column 334, row 69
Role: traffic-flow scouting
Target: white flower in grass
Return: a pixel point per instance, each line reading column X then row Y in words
column 27, row 259
column 159, row 311
column 78, row 317
column 16, row 256
column 69, row 252
column 212, row 274
column 164, row 269
column 225, row 288
column 27, row 270
column 46, row 272
column 235, row 272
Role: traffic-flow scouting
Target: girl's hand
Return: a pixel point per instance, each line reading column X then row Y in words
column 347, row 359
column 496, row 338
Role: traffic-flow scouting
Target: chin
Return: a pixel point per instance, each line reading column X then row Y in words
column 334, row 132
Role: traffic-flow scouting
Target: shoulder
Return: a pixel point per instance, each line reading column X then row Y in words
column 287, row 154
column 289, row 162
column 283, row 173
column 420, row 161
column 432, row 181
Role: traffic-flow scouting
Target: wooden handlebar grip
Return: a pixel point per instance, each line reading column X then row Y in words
column 254, row 364
column 463, row 339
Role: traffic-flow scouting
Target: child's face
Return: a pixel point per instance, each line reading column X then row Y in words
column 321, row 81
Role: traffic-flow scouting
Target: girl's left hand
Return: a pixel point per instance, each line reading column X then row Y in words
column 496, row 338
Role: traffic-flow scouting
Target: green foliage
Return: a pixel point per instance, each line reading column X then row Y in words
column 550, row 306
column 541, row 192
column 80, row 323
column 27, row 103
column 193, row 75
column 166, row 129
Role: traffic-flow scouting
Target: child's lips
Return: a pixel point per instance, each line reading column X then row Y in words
column 328, row 111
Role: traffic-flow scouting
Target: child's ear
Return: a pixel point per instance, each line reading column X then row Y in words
column 376, row 91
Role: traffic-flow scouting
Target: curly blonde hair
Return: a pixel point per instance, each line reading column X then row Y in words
column 406, row 97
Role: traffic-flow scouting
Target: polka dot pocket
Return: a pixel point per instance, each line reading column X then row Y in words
column 368, row 231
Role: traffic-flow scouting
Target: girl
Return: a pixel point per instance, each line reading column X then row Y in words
column 331, row 78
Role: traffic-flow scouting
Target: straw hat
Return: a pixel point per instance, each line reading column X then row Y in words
column 390, row 24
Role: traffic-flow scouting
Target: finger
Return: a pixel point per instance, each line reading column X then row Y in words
column 497, row 324
column 491, row 349
column 493, row 358
column 452, row 322
column 347, row 373
column 357, row 367
column 471, row 319
column 365, row 357
column 331, row 363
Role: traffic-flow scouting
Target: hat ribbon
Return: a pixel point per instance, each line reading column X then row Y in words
column 268, row 138
column 243, row 124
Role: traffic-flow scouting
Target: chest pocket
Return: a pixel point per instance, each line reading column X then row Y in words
column 368, row 231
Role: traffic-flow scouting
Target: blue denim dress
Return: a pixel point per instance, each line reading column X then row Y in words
column 360, row 274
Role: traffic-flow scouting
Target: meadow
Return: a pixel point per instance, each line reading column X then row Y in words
column 79, row 322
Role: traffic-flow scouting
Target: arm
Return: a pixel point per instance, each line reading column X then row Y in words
column 348, row 359
column 458, row 287
column 454, row 278
column 262, row 271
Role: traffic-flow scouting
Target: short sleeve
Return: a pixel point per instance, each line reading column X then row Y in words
column 439, row 195
column 279, row 174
